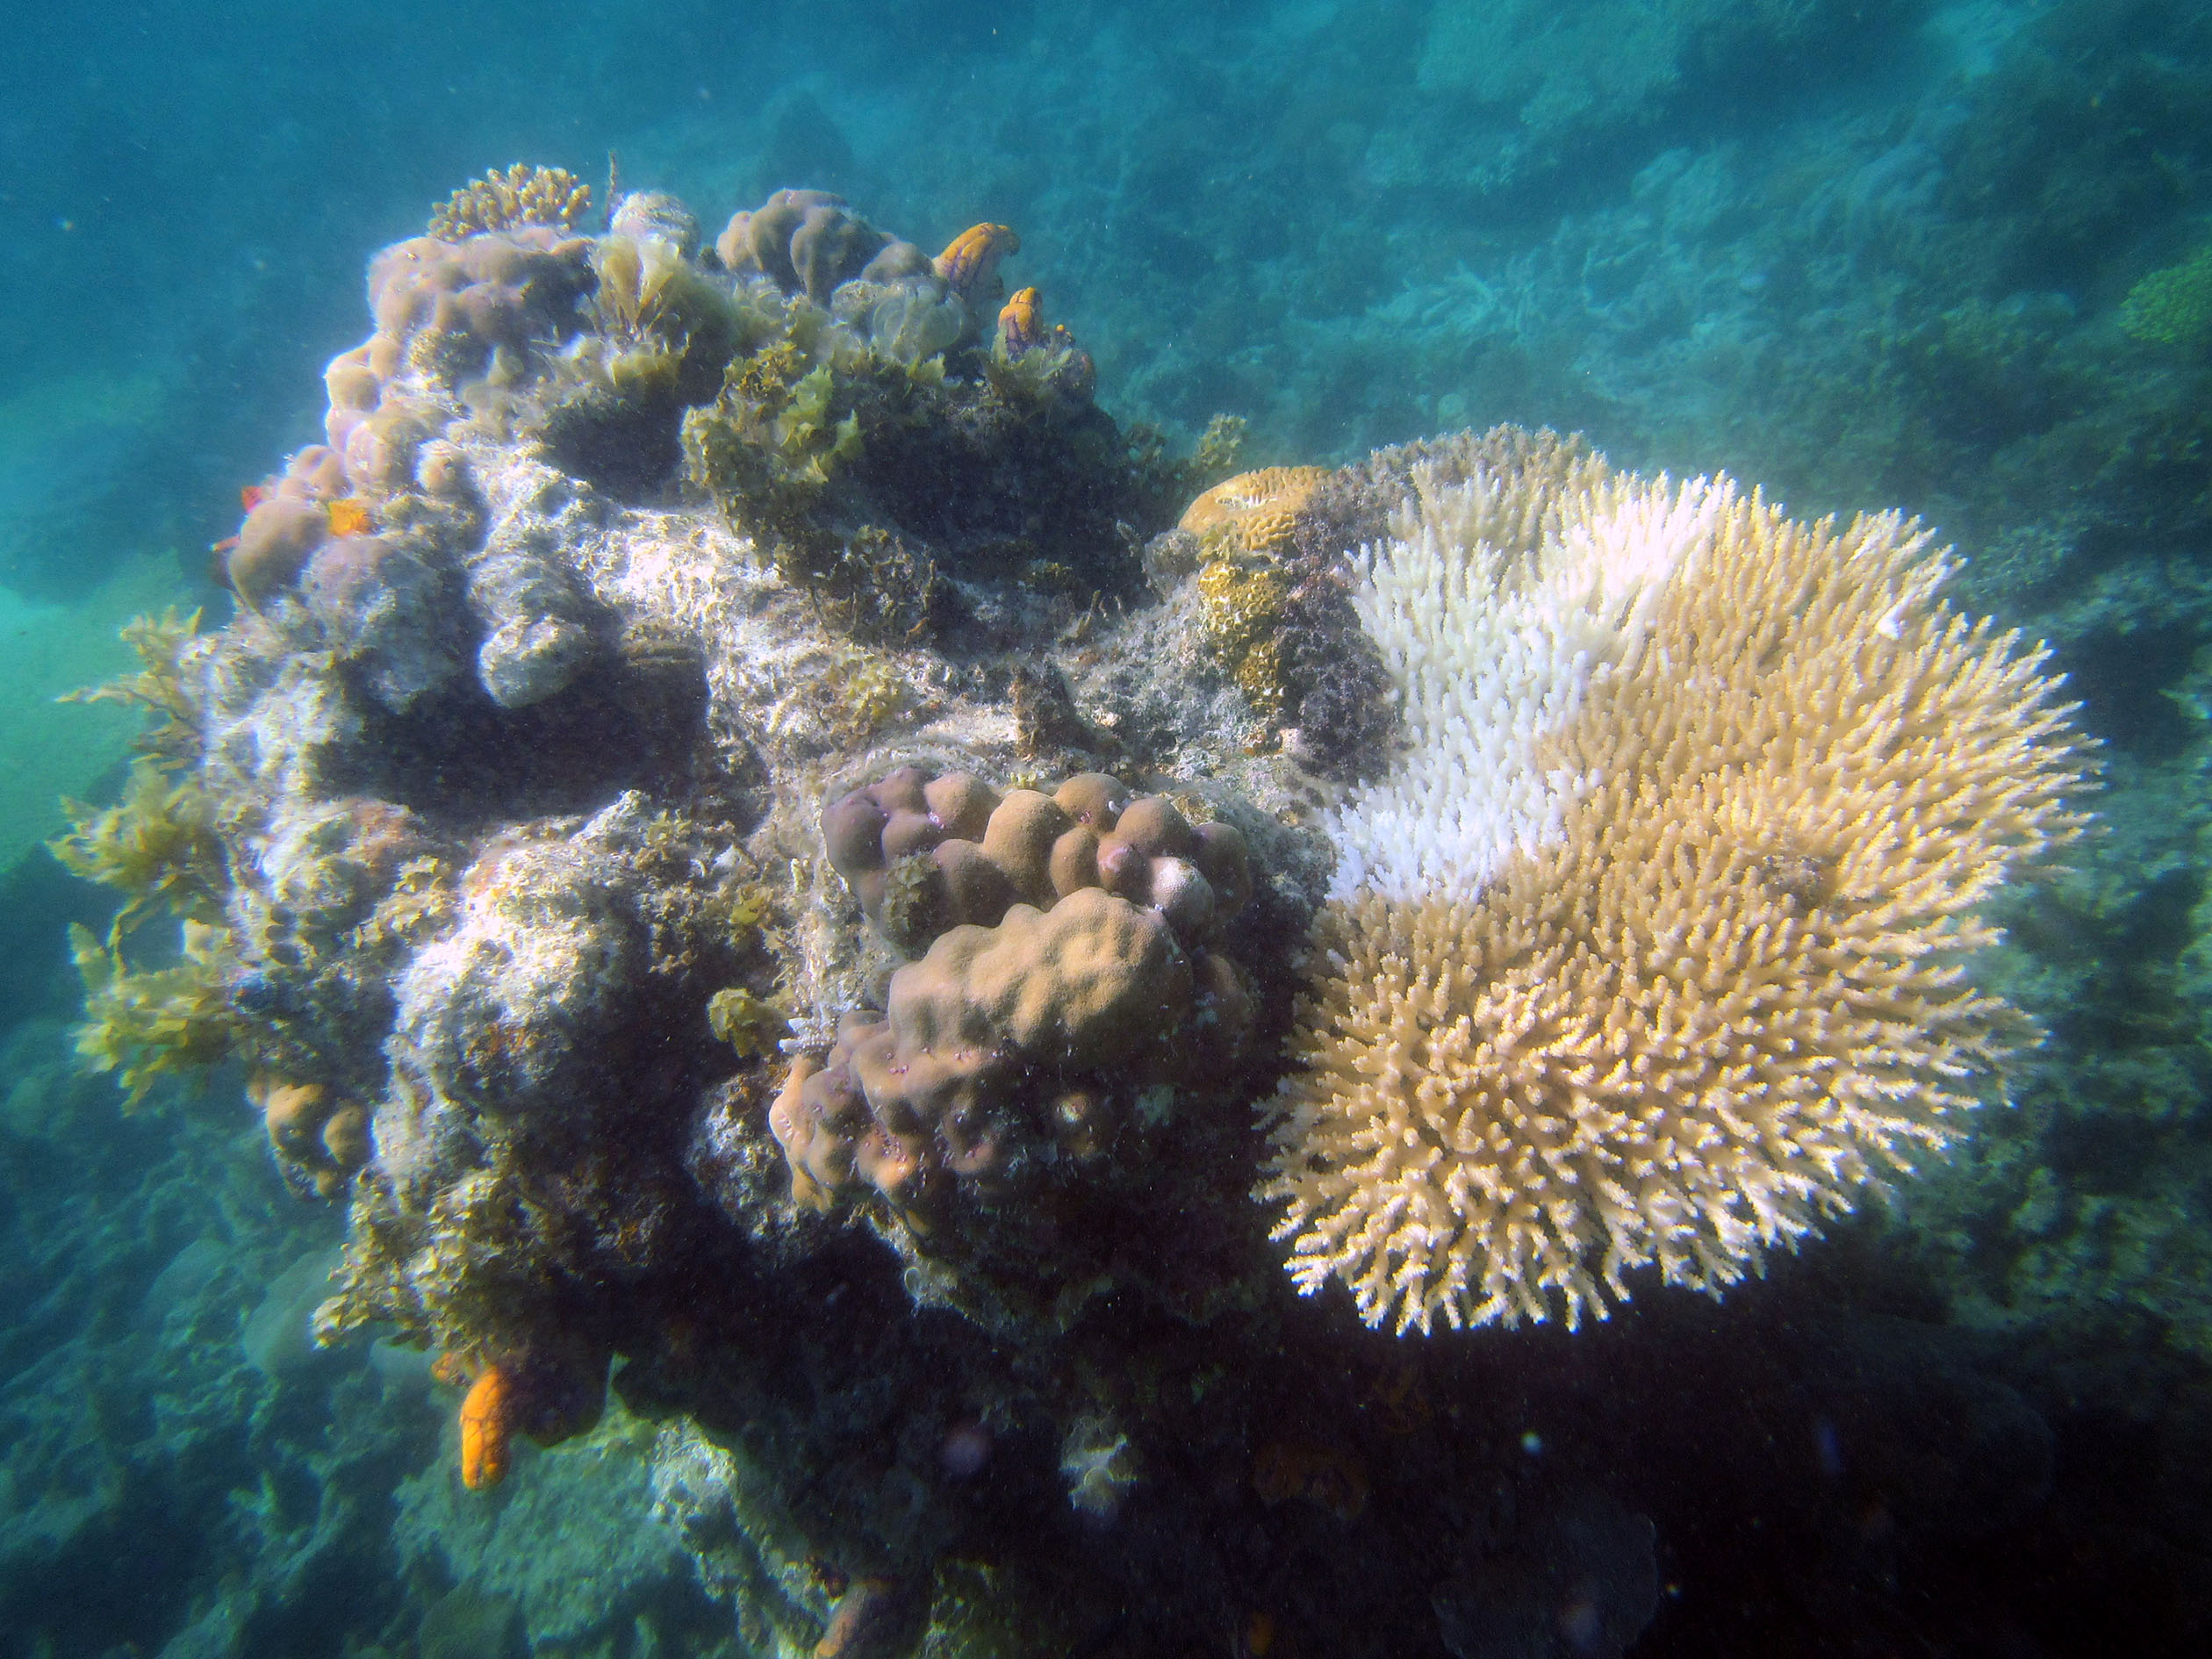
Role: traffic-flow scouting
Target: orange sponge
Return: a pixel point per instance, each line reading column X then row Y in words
column 487, row 1429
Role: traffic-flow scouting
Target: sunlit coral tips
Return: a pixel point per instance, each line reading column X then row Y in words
column 970, row 264
column 1021, row 323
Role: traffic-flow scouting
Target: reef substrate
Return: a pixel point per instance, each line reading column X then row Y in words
column 766, row 849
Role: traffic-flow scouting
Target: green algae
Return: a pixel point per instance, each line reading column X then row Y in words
column 2173, row 307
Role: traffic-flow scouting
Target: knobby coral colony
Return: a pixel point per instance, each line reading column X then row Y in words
column 643, row 995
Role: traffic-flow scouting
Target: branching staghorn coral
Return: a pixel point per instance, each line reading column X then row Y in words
column 508, row 201
column 1651, row 949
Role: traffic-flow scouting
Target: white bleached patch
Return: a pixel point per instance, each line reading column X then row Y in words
column 1493, row 643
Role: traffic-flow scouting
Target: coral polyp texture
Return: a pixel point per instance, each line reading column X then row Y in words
column 1256, row 512
column 1066, row 990
column 733, row 830
column 509, row 200
column 1652, row 949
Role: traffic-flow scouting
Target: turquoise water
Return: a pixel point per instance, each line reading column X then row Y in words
column 1946, row 258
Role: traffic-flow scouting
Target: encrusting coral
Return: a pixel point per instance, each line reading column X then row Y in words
column 1266, row 552
column 1651, row 949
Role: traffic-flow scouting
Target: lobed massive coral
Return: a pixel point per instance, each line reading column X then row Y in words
column 1650, row 950
column 1073, row 982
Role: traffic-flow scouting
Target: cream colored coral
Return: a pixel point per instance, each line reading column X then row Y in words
column 1697, row 975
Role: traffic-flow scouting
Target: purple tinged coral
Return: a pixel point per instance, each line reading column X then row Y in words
column 1068, row 938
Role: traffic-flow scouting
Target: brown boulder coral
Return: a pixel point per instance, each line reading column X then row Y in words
column 1068, row 949
column 809, row 243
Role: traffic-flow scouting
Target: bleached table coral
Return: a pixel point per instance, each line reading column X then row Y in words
column 1651, row 947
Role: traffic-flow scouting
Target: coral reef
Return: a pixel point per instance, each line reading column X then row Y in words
column 925, row 854
column 323, row 1139
column 655, row 216
column 1266, row 555
column 1254, row 512
column 1863, row 254
column 607, row 904
column 1646, row 952
column 905, row 470
column 969, row 264
column 806, row 242
column 1073, row 997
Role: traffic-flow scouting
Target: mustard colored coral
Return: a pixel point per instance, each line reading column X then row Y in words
column 549, row 1392
column 1256, row 510
column 508, row 201
column 1021, row 323
column 1651, row 950
column 487, row 1429
column 969, row 264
